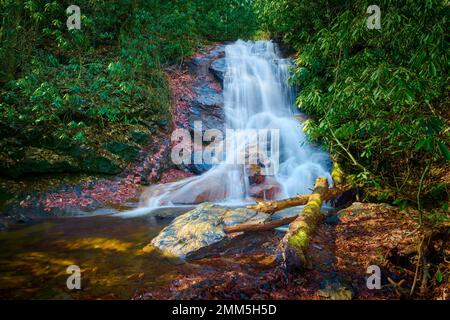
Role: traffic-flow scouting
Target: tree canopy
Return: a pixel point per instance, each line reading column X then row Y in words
column 378, row 98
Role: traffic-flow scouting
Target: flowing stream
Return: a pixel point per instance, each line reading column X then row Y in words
column 257, row 96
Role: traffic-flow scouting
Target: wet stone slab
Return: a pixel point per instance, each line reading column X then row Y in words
column 218, row 69
column 202, row 227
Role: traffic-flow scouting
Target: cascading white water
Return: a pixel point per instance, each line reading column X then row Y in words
column 257, row 95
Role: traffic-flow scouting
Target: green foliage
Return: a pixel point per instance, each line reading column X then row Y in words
column 378, row 98
column 226, row 19
column 78, row 75
column 109, row 73
column 113, row 61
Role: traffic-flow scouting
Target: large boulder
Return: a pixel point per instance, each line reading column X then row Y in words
column 36, row 160
column 32, row 160
column 200, row 228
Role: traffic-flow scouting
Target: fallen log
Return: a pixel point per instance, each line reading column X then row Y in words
column 255, row 227
column 295, row 243
column 299, row 200
column 274, row 206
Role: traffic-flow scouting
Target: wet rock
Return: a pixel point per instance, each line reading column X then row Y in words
column 198, row 169
column 212, row 117
column 267, row 189
column 197, row 61
column 241, row 215
column 191, row 231
column 344, row 199
column 209, row 97
column 206, row 105
column 215, row 192
column 168, row 213
column 200, row 228
column 218, row 69
column 333, row 289
column 208, row 109
column 262, row 186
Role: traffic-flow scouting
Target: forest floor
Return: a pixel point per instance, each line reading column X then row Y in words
column 344, row 246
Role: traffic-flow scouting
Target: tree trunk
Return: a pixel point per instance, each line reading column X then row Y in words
column 295, row 243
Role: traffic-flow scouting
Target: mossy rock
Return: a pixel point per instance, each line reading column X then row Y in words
column 96, row 160
column 22, row 161
column 162, row 122
column 95, row 163
column 125, row 151
column 5, row 194
column 139, row 137
column 38, row 160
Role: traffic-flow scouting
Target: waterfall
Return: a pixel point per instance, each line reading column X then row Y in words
column 257, row 96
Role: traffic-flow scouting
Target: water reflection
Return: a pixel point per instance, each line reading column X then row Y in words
column 33, row 260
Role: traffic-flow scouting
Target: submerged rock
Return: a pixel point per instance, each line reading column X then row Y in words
column 202, row 227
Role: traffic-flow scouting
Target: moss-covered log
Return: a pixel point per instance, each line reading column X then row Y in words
column 296, row 241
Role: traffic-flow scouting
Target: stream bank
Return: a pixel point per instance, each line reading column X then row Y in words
column 344, row 246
